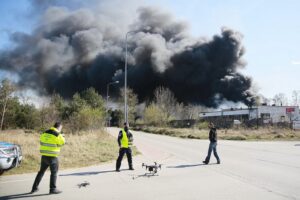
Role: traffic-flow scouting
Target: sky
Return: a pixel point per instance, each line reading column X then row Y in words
column 271, row 31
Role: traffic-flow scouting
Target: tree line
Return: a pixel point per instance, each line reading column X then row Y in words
column 87, row 110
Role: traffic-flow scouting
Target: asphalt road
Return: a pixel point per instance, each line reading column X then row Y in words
column 249, row 170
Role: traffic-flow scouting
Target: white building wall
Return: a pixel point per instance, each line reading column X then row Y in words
column 279, row 113
column 276, row 113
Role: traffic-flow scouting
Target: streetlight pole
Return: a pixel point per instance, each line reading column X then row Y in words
column 125, row 74
column 107, row 96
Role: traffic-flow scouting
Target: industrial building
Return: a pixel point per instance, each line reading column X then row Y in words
column 266, row 114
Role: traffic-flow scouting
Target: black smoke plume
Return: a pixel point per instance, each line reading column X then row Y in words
column 73, row 49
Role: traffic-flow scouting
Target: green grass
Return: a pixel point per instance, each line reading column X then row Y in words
column 84, row 149
column 268, row 134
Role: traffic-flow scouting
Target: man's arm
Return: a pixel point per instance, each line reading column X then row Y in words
column 130, row 136
column 120, row 138
column 216, row 136
column 61, row 140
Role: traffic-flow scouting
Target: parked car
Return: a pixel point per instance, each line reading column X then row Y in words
column 10, row 156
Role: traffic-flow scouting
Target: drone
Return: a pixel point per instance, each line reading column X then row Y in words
column 152, row 168
column 84, row 184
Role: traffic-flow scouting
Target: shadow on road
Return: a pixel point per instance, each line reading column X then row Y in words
column 90, row 173
column 146, row 175
column 192, row 165
column 23, row 195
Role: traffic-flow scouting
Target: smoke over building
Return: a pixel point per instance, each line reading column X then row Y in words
column 73, row 49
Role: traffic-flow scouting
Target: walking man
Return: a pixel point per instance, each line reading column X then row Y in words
column 212, row 145
column 125, row 140
column 50, row 143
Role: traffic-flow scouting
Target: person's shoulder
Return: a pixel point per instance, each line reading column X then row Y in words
column 52, row 132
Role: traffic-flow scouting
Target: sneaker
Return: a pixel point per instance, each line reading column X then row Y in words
column 55, row 191
column 34, row 190
column 205, row 162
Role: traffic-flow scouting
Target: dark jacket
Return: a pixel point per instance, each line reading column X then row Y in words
column 129, row 136
column 213, row 135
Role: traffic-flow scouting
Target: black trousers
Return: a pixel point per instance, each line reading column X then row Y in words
column 128, row 153
column 47, row 161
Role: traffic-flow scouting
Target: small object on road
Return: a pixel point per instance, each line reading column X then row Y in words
column 152, row 168
column 84, row 184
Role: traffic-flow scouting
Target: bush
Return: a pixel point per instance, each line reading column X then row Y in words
column 86, row 119
column 234, row 137
column 202, row 125
column 154, row 116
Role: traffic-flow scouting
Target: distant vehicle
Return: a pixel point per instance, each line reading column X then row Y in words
column 10, row 156
column 296, row 125
column 237, row 122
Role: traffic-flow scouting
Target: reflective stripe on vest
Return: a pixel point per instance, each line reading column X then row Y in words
column 48, row 145
column 48, row 152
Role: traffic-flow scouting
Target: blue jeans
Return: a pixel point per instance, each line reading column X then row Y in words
column 212, row 147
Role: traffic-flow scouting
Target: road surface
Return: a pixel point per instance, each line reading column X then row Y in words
column 249, row 170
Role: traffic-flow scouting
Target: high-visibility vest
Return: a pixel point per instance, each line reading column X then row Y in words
column 50, row 142
column 125, row 143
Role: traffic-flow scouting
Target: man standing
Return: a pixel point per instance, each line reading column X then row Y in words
column 213, row 144
column 50, row 143
column 125, row 140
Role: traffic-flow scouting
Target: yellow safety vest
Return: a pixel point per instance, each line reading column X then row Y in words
column 51, row 144
column 125, row 143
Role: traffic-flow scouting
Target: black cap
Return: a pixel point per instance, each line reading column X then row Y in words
column 57, row 124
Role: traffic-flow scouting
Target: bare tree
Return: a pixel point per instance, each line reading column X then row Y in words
column 132, row 101
column 165, row 100
column 6, row 90
column 193, row 111
column 296, row 97
column 280, row 99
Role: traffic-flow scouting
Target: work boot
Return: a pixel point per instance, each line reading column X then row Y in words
column 205, row 162
column 34, row 190
column 55, row 191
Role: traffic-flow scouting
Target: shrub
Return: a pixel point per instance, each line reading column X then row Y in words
column 154, row 116
column 235, row 137
column 202, row 125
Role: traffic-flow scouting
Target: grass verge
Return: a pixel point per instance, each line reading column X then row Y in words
column 268, row 134
column 84, row 149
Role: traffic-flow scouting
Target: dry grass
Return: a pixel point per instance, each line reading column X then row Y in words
column 87, row 148
column 227, row 134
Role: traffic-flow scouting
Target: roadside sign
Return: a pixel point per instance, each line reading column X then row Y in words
column 290, row 110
